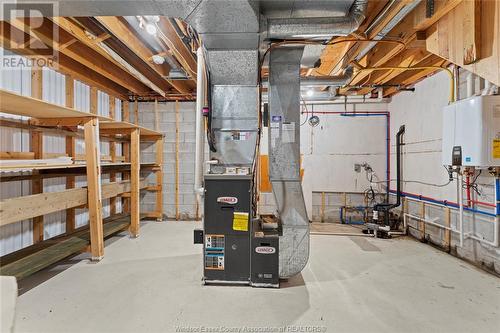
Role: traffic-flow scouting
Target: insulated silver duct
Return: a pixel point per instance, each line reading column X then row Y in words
column 337, row 81
column 321, row 81
column 284, row 158
column 304, row 27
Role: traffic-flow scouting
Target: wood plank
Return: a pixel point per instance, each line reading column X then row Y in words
column 17, row 155
column 31, row 107
column 124, row 33
column 36, row 146
column 472, row 31
column 168, row 34
column 81, row 53
column 411, row 77
column 447, row 232
column 441, row 8
column 112, row 152
column 94, row 189
column 126, row 111
column 36, row 83
column 134, row 179
column 22, row 208
column 70, row 150
column 446, row 38
column 128, row 37
column 63, row 248
column 31, row 206
column 64, row 64
column 136, row 112
column 55, row 122
column 159, row 177
column 93, row 101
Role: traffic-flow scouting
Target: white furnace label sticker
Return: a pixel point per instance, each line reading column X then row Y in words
column 288, row 132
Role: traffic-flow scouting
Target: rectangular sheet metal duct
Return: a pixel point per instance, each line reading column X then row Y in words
column 284, row 158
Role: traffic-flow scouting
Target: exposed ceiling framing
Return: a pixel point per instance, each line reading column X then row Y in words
column 110, row 54
column 116, row 53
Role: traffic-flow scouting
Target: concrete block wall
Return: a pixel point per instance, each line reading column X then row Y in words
column 186, row 208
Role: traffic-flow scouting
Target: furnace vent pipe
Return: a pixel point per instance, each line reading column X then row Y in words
column 199, row 135
column 286, row 28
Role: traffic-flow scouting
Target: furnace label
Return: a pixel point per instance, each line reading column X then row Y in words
column 240, row 221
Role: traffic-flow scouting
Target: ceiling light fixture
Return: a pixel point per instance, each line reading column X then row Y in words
column 158, row 59
column 151, row 28
column 310, row 93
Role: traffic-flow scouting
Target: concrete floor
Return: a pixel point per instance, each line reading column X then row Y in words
column 351, row 284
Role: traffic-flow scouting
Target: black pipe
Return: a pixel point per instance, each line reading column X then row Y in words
column 386, row 207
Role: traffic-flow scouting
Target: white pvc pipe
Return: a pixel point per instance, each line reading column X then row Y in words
column 470, row 85
column 199, row 142
column 418, row 218
column 496, row 226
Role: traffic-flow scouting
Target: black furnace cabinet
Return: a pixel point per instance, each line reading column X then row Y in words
column 227, row 228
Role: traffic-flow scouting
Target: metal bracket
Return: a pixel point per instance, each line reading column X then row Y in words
column 429, row 8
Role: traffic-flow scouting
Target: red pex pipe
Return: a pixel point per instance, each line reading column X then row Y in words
column 481, row 203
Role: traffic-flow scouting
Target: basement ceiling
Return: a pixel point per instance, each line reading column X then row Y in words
column 117, row 54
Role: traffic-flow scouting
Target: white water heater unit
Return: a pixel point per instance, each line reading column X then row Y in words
column 471, row 132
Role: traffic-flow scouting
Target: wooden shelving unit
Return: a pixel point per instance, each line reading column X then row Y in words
column 45, row 117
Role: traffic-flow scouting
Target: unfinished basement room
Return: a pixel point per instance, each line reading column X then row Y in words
column 250, row 166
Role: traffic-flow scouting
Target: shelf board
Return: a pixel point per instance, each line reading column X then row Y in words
column 31, row 107
column 126, row 126
column 70, row 167
column 19, row 105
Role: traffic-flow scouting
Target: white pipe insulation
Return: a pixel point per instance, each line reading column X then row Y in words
column 199, row 142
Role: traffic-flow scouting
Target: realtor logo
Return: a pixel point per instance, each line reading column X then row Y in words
column 29, row 34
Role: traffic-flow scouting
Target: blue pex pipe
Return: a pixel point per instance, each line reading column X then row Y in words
column 497, row 197
column 447, row 204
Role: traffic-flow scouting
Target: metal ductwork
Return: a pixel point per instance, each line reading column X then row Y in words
column 321, row 81
column 231, row 35
column 337, row 81
column 284, row 158
column 306, row 27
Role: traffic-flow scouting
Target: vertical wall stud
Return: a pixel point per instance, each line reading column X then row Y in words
column 134, row 182
column 93, row 100
column 136, row 111
column 92, row 155
column 447, row 232
column 126, row 154
column 157, row 116
column 159, row 179
column 112, row 152
column 421, row 224
column 36, row 146
column 70, row 151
